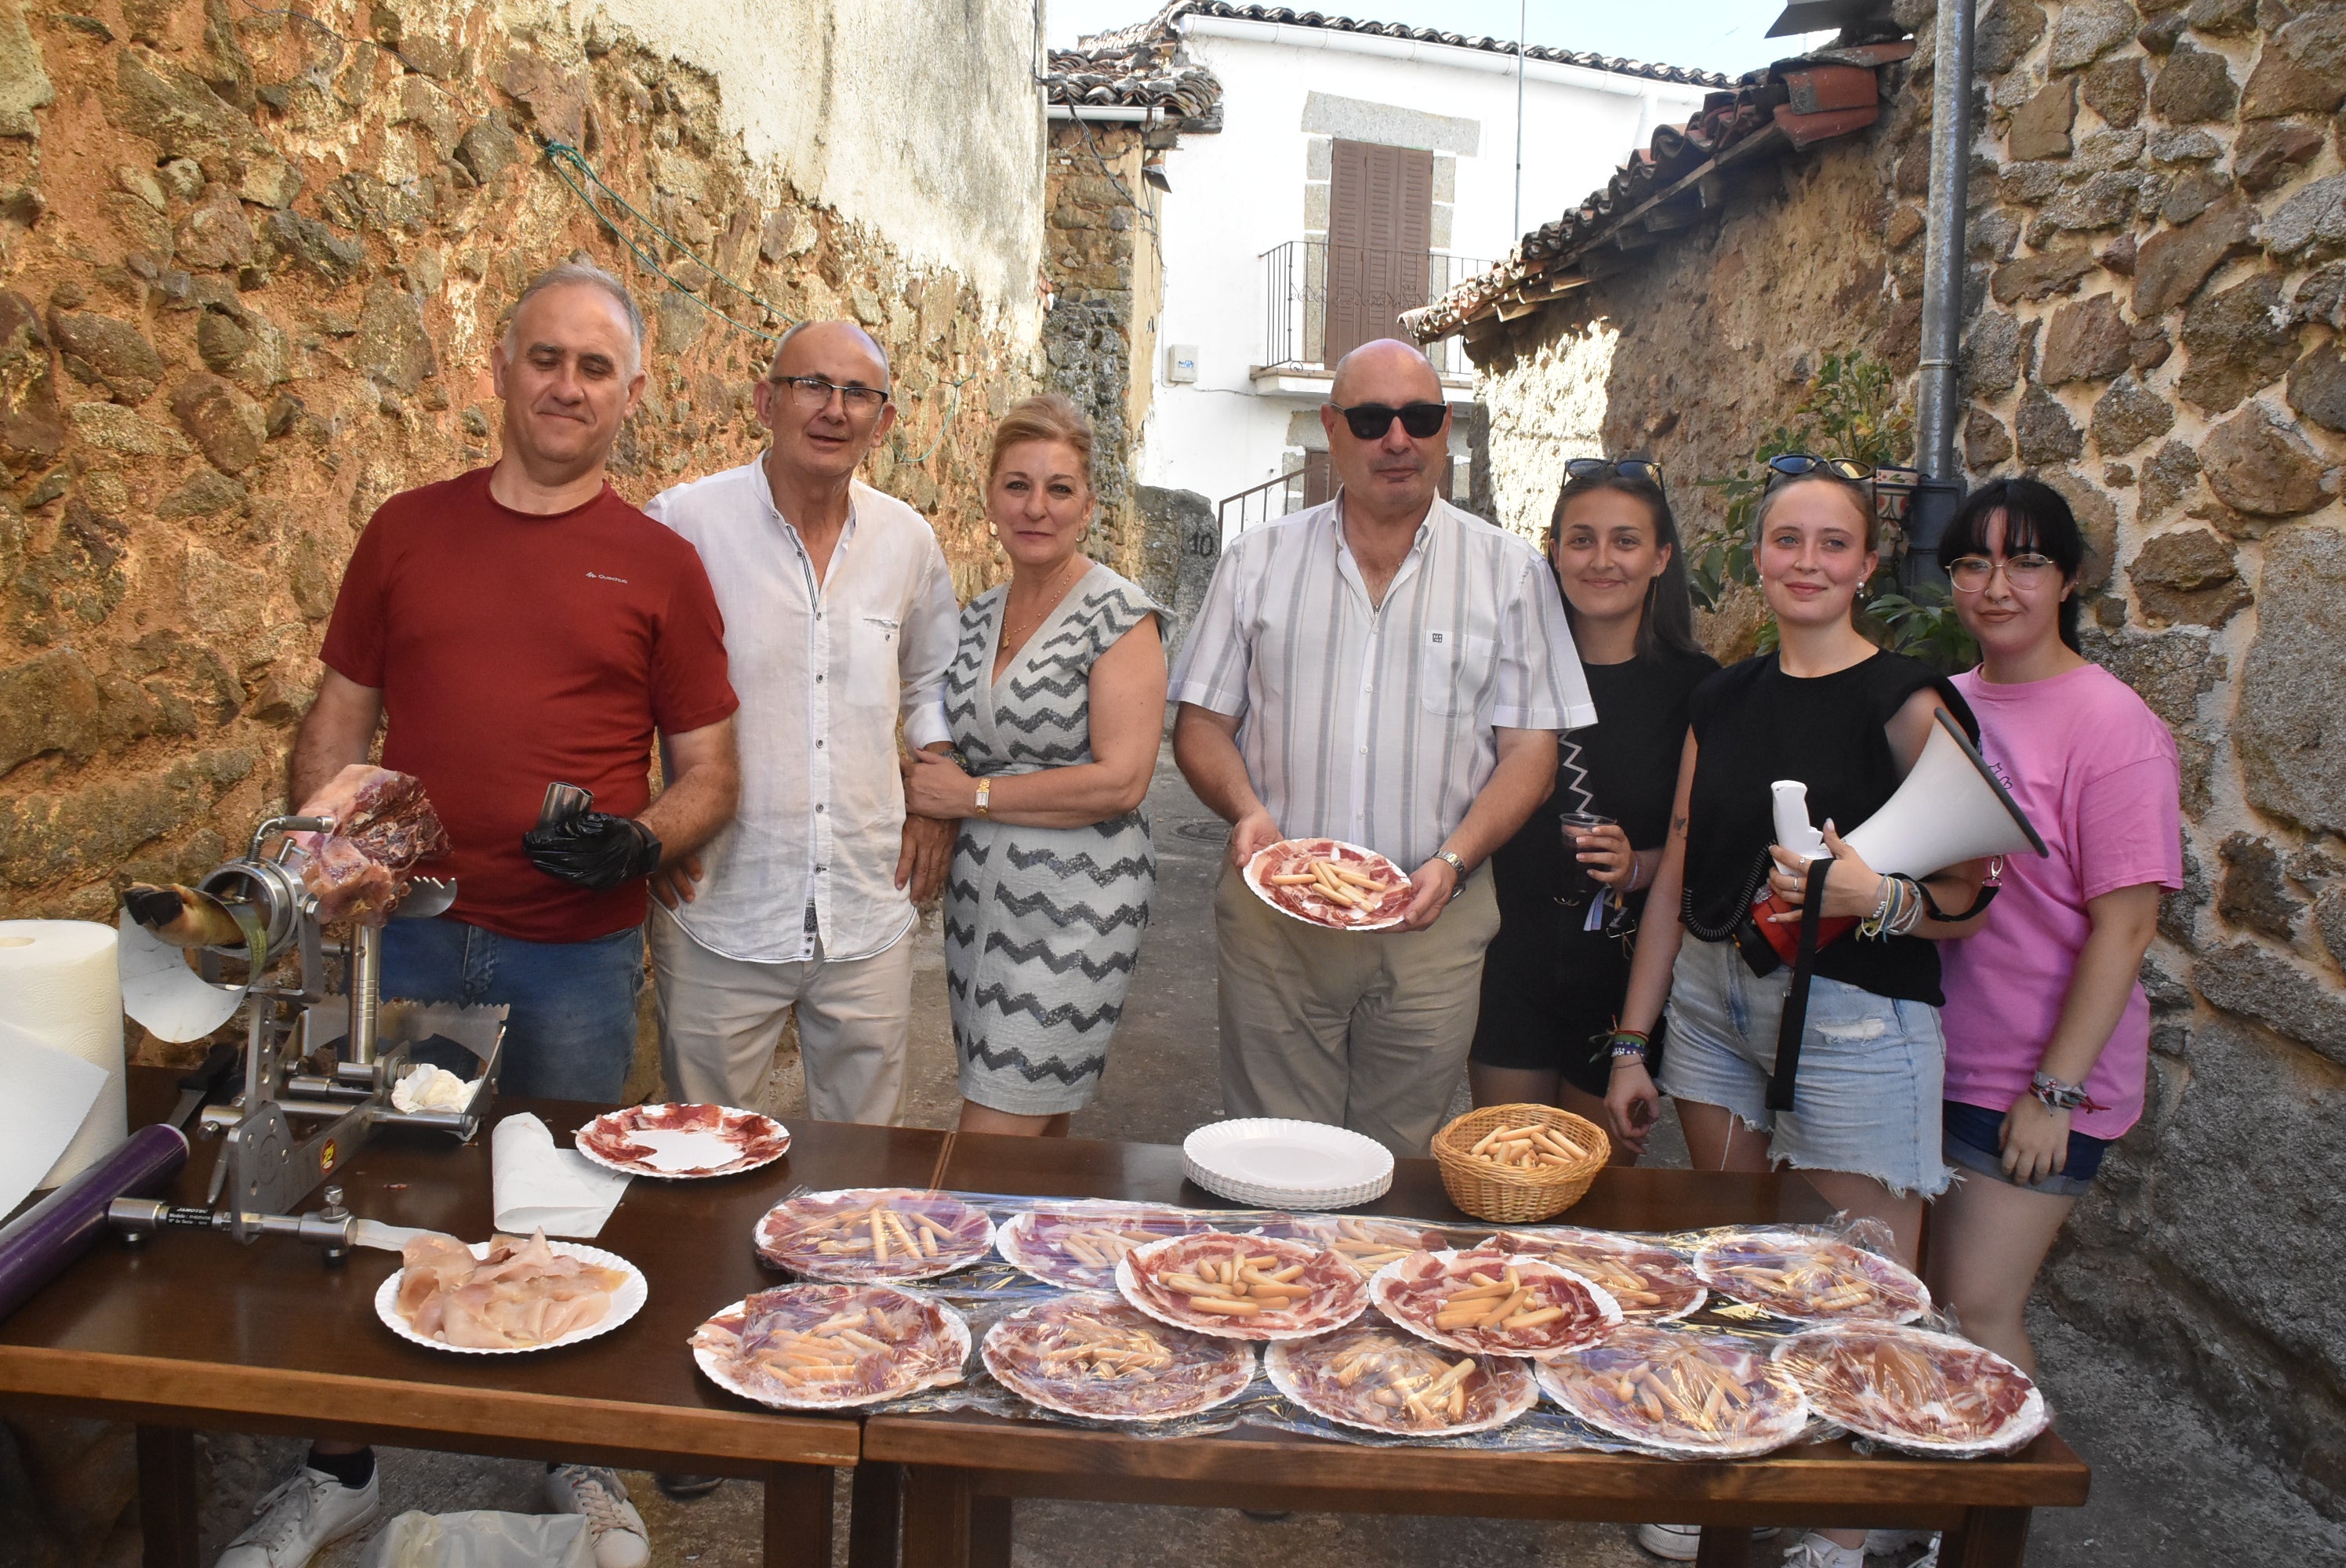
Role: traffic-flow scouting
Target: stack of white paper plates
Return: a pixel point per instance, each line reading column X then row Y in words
column 1278, row 1164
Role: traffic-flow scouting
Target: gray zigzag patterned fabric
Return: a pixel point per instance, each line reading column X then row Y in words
column 1042, row 925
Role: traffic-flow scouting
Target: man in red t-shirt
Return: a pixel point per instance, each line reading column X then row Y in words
column 517, row 626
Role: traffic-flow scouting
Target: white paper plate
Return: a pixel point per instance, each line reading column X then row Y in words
column 1386, row 1283
column 1253, row 873
column 2024, row 1424
column 1237, row 1356
column 956, row 1329
column 1275, row 1163
column 626, row 1302
column 1791, row 1417
column 1521, row 1393
column 715, row 1145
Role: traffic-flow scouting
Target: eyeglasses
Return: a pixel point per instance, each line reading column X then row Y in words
column 1370, row 420
column 1637, row 468
column 1800, row 464
column 1973, row 574
column 812, row 393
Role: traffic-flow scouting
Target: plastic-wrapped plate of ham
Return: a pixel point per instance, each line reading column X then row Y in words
column 1077, row 1245
column 681, row 1142
column 1493, row 1303
column 1364, row 1241
column 504, row 1296
column 1926, row 1392
column 1373, row 1376
column 1809, row 1278
column 1092, row 1355
column 830, row 1347
column 1650, row 1282
column 1708, row 1396
column 1242, row 1287
column 858, row 1235
column 1329, row 884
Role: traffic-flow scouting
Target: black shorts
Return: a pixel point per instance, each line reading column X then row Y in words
column 1550, row 999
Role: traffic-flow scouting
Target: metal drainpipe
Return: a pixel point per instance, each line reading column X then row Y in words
column 1940, row 399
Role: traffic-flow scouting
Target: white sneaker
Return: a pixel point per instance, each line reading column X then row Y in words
column 1683, row 1542
column 1813, row 1551
column 307, row 1509
column 1882, row 1542
column 620, row 1538
column 1671, row 1542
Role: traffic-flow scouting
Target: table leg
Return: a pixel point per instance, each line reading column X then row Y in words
column 989, row 1532
column 798, row 1516
column 1724, row 1547
column 875, row 1516
column 937, row 1518
column 166, row 1496
column 1987, row 1538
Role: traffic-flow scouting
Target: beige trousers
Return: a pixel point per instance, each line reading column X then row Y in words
column 720, row 1019
column 1367, row 1031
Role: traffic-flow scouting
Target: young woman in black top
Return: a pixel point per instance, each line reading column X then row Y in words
column 1847, row 719
column 1551, row 980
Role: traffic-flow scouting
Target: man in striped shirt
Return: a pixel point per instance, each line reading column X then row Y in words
column 1387, row 670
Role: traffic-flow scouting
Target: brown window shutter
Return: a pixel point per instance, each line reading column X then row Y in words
column 1379, row 238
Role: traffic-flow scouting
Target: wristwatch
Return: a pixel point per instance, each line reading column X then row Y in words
column 1456, row 865
column 985, row 797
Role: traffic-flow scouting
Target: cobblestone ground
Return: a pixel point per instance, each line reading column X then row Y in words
column 2168, row 1491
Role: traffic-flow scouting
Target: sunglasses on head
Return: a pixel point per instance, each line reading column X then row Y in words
column 1370, row 420
column 1803, row 464
column 1625, row 467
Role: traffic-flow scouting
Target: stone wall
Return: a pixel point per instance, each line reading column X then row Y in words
column 2156, row 304
column 251, row 263
column 1106, row 271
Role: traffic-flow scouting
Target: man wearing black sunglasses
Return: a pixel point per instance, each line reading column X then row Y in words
column 1386, row 670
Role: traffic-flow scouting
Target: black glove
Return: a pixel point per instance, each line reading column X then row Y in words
column 592, row 850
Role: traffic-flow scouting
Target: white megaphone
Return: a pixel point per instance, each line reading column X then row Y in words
column 1951, row 809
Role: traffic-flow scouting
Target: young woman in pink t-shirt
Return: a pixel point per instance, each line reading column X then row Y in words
column 2047, row 1028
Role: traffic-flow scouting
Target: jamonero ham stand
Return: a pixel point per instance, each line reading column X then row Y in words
column 291, row 1128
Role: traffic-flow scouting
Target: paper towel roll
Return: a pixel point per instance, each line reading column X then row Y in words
column 58, row 985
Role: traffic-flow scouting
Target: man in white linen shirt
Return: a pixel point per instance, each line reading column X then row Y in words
column 1387, row 670
column 840, row 619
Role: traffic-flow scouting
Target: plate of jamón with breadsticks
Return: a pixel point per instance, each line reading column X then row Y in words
column 1329, row 884
column 1809, row 1278
column 1242, row 1287
column 861, row 1234
column 830, row 1347
column 1093, row 1356
column 1365, row 1241
column 1910, row 1388
column 1493, row 1303
column 1077, row 1245
column 1695, row 1395
column 1373, row 1376
column 1650, row 1282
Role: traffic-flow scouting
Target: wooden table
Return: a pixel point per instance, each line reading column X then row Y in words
column 961, row 1471
column 196, row 1331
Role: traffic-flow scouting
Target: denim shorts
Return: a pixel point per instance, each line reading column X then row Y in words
column 1867, row 1098
column 1975, row 1133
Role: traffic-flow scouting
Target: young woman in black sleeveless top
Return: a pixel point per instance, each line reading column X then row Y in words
column 1847, row 719
column 1551, row 980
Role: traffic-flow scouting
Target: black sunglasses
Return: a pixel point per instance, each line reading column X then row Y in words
column 1370, row 420
column 1801, row 465
column 1637, row 468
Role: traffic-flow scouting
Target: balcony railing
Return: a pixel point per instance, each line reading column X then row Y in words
column 1273, row 498
column 1318, row 296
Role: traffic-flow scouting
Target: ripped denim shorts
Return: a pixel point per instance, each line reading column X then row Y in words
column 1867, row 1099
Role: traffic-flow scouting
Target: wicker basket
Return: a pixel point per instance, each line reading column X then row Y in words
column 1497, row 1192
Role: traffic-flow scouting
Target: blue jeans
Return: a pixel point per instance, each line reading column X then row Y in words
column 570, row 1031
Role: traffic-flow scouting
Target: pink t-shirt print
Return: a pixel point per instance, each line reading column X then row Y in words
column 2096, row 771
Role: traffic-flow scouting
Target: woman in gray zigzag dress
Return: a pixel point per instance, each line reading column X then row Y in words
column 1057, row 700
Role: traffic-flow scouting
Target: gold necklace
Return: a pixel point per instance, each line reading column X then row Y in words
column 1012, row 641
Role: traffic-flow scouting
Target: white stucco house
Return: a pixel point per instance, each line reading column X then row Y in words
column 1361, row 169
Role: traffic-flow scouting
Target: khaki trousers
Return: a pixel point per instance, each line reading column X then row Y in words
column 720, row 1019
column 1367, row 1031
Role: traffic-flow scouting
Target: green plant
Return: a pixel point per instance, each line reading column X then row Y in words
column 1853, row 410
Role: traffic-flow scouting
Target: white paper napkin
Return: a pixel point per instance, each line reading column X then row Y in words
column 537, row 1187
column 49, row 1094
